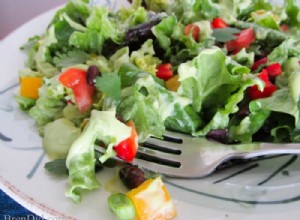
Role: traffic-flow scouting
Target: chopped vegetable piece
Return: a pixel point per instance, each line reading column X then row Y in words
column 173, row 83
column 152, row 201
column 127, row 149
column 25, row 103
column 219, row 23
column 121, row 206
column 284, row 27
column 58, row 138
column 264, row 75
column 30, row 86
column 194, row 30
column 110, row 85
column 274, row 70
column 57, row 167
column 224, row 35
column 244, row 39
column 132, row 176
column 76, row 79
column 259, row 62
column 164, row 71
column 268, row 90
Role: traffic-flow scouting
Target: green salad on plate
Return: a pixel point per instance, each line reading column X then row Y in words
column 227, row 70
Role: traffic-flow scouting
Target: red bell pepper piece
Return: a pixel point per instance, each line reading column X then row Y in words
column 244, row 39
column 218, row 23
column 268, row 90
column 195, row 31
column 76, row 79
column 274, row 70
column 127, row 149
column 259, row 62
column 164, row 71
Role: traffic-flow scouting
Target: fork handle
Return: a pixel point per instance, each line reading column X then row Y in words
column 271, row 149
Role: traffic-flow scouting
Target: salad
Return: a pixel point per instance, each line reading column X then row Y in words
column 224, row 70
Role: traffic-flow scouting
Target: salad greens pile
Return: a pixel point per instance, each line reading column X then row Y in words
column 127, row 45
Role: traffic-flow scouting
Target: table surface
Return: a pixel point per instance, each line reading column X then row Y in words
column 14, row 13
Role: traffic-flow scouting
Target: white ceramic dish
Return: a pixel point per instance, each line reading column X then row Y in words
column 257, row 190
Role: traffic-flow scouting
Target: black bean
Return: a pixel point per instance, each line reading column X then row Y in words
column 220, row 135
column 243, row 111
column 120, row 118
column 92, row 73
column 132, row 176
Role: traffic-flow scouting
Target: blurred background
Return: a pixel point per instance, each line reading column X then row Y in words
column 14, row 13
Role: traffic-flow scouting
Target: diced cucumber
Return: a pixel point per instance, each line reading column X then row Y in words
column 121, row 206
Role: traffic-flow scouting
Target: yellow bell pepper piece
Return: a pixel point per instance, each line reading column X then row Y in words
column 173, row 83
column 152, row 201
column 30, row 86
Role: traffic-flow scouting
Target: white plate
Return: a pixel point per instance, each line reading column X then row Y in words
column 258, row 190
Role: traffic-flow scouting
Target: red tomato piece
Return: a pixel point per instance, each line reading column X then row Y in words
column 76, row 79
column 164, row 71
column 274, row 70
column 244, row 39
column 268, row 90
column 264, row 76
column 284, row 27
column 194, row 30
column 259, row 62
column 219, row 23
column 127, row 149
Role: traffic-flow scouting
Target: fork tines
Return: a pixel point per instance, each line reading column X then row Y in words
column 164, row 151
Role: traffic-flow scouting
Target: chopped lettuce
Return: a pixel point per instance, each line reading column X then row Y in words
column 205, row 78
column 144, row 58
column 221, row 118
column 164, row 30
column 244, row 58
column 244, row 131
column 149, row 104
column 25, row 103
column 293, row 13
column 103, row 126
column 288, row 48
column 266, row 19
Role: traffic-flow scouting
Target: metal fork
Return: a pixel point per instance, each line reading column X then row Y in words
column 182, row 156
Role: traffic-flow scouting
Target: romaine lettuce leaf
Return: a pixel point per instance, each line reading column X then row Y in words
column 280, row 102
column 145, row 58
column 288, row 48
column 266, row 19
column 164, row 30
column 184, row 120
column 46, row 110
column 206, row 77
column 221, row 118
column 244, row 131
column 244, row 58
column 293, row 13
column 80, row 162
column 129, row 74
column 50, row 104
column 149, row 104
column 209, row 8
column 25, row 103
